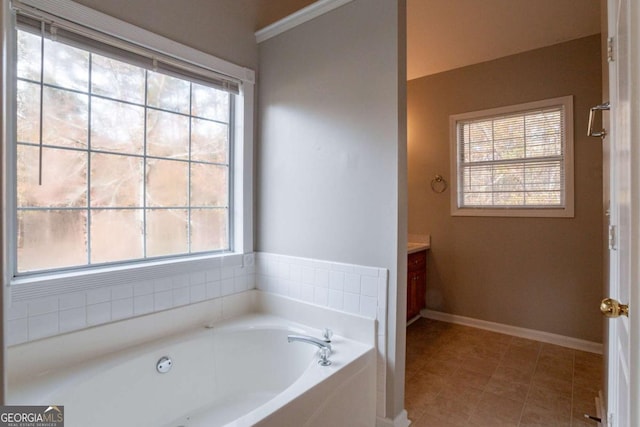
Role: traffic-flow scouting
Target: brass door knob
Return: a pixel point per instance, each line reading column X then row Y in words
column 612, row 308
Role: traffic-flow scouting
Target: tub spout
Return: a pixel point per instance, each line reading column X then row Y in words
column 325, row 347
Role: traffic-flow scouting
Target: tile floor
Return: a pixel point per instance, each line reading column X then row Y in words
column 463, row 376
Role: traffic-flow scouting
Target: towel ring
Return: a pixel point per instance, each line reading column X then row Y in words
column 438, row 184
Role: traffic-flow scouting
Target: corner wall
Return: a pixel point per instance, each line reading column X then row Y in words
column 329, row 179
column 538, row 273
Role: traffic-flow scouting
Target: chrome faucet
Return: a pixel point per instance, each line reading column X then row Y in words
column 325, row 347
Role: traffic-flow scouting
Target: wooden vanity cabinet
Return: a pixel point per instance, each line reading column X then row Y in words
column 416, row 283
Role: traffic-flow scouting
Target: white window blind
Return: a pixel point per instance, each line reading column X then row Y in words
column 514, row 159
column 59, row 29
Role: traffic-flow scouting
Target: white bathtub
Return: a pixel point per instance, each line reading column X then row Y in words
column 241, row 372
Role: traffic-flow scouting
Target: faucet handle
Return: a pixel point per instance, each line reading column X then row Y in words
column 324, row 354
column 327, row 334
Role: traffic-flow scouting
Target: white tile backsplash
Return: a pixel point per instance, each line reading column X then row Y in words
column 369, row 286
column 17, row 310
column 352, row 283
column 17, row 331
column 336, row 280
column 162, row 300
column 122, row 292
column 42, row 306
column 42, row 325
column 321, row 296
column 30, row 319
column 352, row 288
column 198, row 293
column 336, row 299
column 181, row 296
column 96, row 296
column 322, row 278
column 121, row 308
column 72, row 319
column 73, row 300
column 143, row 304
column 98, row 314
column 143, row 288
column 351, row 303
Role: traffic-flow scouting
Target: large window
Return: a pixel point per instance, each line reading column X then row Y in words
column 116, row 160
column 514, row 161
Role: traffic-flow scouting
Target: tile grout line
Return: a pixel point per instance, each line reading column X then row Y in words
column 484, row 389
column 535, row 367
column 573, row 387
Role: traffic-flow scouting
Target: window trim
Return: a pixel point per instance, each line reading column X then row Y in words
column 566, row 102
column 241, row 160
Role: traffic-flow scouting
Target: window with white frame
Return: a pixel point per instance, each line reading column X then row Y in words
column 514, row 161
column 120, row 154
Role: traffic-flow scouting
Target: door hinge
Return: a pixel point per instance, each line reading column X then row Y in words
column 612, row 237
column 610, row 57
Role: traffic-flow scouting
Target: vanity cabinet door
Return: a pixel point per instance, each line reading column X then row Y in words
column 416, row 283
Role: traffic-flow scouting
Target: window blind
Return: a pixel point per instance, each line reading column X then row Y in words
column 56, row 28
column 512, row 161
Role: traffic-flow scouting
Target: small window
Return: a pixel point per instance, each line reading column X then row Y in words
column 514, row 161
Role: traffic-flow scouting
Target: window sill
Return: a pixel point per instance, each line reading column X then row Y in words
column 514, row 212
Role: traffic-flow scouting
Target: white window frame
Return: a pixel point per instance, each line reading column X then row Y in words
column 241, row 216
column 567, row 211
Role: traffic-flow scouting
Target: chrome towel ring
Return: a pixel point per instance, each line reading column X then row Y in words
column 438, row 184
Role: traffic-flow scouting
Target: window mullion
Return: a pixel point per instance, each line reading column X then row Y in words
column 41, row 103
column 524, row 157
column 189, row 170
column 144, row 165
column 89, row 164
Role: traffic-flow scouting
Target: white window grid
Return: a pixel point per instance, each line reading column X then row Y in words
column 562, row 162
column 89, row 150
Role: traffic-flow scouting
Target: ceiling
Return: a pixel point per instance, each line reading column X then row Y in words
column 447, row 34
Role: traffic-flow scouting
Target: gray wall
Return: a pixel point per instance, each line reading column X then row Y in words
column 538, row 273
column 331, row 151
column 223, row 28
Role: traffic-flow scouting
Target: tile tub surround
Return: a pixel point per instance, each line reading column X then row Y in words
column 30, row 319
column 62, row 350
column 348, row 288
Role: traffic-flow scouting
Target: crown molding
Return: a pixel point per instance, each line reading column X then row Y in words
column 300, row 17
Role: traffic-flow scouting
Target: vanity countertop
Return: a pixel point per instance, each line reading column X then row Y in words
column 417, row 247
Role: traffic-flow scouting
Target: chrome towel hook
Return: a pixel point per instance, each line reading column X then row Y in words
column 438, row 184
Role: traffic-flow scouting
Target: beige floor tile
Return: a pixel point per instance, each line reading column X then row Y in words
column 471, row 378
column 549, row 399
column 496, row 410
column 526, row 343
column 516, row 374
column 433, row 420
column 511, row 390
column 557, row 352
column 460, row 376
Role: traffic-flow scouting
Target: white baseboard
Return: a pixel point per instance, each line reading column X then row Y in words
column 410, row 321
column 401, row 420
column 547, row 337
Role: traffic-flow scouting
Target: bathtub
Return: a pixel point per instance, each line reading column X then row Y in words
column 239, row 372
